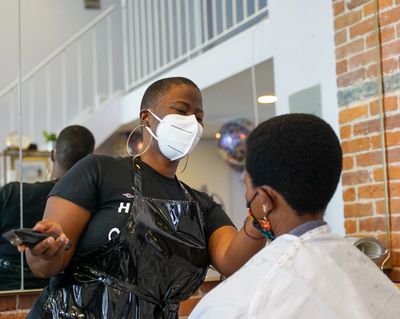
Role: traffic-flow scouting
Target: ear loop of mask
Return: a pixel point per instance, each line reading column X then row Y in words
column 129, row 137
column 157, row 118
column 263, row 225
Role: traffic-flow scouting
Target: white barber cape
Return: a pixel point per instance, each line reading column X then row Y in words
column 316, row 275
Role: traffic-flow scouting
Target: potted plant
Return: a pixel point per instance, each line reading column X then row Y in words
column 50, row 139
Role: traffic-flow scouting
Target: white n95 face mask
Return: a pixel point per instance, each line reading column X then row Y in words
column 177, row 135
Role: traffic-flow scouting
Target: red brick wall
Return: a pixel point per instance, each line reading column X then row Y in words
column 15, row 306
column 359, row 54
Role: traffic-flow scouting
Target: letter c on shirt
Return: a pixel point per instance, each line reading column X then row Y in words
column 113, row 232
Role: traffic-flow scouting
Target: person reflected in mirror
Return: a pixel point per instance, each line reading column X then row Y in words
column 73, row 143
column 293, row 167
column 142, row 241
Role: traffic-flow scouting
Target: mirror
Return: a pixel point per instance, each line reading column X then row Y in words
column 80, row 65
column 9, row 134
column 51, row 95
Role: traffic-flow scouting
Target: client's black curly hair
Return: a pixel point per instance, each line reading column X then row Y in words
column 298, row 155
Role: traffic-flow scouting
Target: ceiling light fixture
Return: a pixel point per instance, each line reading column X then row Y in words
column 267, row 99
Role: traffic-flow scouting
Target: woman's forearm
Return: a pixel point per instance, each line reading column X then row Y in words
column 64, row 222
column 242, row 248
column 231, row 249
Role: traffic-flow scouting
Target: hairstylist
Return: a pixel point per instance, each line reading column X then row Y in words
column 141, row 240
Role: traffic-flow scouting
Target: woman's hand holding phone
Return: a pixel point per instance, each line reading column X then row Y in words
column 51, row 246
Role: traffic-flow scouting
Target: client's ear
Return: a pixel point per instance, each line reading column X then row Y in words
column 268, row 198
column 53, row 155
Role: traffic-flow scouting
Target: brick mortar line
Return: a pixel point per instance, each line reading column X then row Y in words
column 364, row 201
column 360, row 120
column 361, row 7
column 357, row 137
column 368, row 119
column 359, row 170
column 349, row 56
column 354, row 154
column 352, row 69
column 360, row 136
column 369, row 201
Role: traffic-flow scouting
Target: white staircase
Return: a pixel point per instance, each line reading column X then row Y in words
column 126, row 46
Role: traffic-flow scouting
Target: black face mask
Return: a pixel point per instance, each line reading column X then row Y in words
column 248, row 203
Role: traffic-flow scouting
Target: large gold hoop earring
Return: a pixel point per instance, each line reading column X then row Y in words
column 129, row 137
column 186, row 162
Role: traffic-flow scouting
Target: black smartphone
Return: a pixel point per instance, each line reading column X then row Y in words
column 26, row 236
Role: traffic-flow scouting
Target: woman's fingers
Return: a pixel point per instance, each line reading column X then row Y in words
column 49, row 247
column 21, row 248
column 52, row 245
column 49, row 227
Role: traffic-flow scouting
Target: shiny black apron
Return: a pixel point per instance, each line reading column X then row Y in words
column 159, row 259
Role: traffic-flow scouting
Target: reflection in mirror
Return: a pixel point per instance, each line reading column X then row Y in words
column 57, row 69
column 10, row 259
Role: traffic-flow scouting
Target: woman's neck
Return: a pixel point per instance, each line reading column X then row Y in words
column 160, row 163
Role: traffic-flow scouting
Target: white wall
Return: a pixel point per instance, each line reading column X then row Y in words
column 304, row 56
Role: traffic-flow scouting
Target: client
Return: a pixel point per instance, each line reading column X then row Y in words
column 293, row 167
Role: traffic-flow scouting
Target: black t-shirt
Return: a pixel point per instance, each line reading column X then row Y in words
column 34, row 203
column 103, row 185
